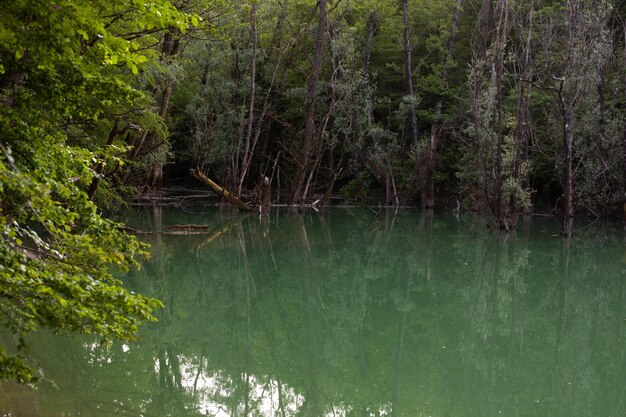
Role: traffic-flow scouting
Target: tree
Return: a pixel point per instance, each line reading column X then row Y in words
column 273, row 87
column 494, row 168
column 588, row 128
column 624, row 132
column 299, row 179
column 69, row 78
column 568, row 95
column 408, row 70
column 436, row 127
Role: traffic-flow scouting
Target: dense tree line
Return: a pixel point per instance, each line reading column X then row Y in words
column 497, row 106
column 494, row 106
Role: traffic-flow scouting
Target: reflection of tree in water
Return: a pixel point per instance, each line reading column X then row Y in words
column 364, row 314
column 539, row 310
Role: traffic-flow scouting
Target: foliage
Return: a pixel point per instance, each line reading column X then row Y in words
column 360, row 117
column 68, row 78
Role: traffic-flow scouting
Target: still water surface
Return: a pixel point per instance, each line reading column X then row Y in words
column 355, row 313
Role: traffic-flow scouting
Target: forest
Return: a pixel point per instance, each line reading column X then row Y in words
column 496, row 107
column 499, row 107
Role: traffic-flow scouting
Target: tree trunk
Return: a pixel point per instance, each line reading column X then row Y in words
column 568, row 183
column 624, row 138
column 309, row 109
column 569, row 97
column 498, row 69
column 602, row 136
column 383, row 174
column 478, row 64
column 222, row 192
column 429, row 188
column 523, row 131
column 255, row 132
column 247, row 157
column 409, row 71
column 372, row 24
column 169, row 48
column 371, row 29
column 235, row 145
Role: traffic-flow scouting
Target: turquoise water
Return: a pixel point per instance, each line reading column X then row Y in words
column 355, row 313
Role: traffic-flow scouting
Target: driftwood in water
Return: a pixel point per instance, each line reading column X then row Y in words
column 183, row 232
column 187, row 227
column 179, row 229
column 225, row 194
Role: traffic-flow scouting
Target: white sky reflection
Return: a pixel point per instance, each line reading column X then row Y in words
column 220, row 395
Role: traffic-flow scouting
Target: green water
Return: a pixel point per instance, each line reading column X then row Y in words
column 355, row 313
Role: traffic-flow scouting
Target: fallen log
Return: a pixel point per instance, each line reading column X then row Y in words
column 170, row 230
column 222, row 192
column 183, row 232
column 187, row 227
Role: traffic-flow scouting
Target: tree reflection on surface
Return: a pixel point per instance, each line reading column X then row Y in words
column 355, row 314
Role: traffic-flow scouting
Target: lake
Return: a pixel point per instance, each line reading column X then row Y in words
column 356, row 312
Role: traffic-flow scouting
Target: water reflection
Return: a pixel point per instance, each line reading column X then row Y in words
column 215, row 393
column 355, row 313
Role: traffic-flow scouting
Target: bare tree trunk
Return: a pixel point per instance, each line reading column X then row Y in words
column 569, row 97
column 408, row 68
column 568, row 175
column 247, row 158
column 429, row 187
column 388, row 190
column 488, row 119
column 235, row 144
column 265, row 107
column 371, row 29
column 602, row 135
column 222, row 192
column 624, row 138
column 383, row 174
column 309, row 108
column 335, row 169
